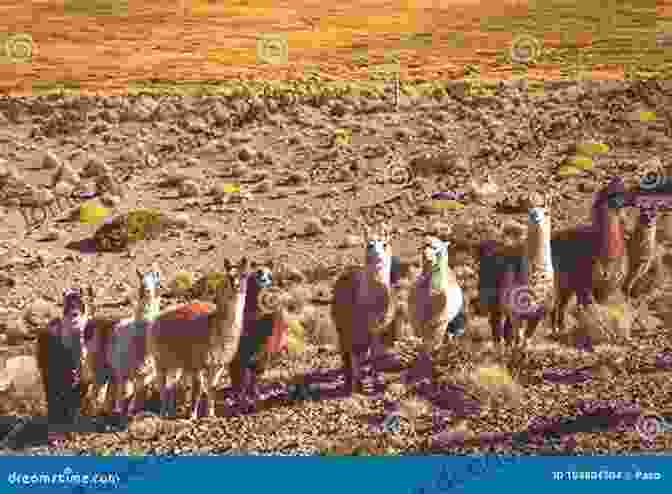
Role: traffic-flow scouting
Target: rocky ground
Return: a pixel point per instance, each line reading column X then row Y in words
column 308, row 171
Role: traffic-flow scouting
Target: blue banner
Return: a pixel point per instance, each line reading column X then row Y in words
column 336, row 475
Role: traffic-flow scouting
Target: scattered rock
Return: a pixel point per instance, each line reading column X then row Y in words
column 189, row 188
column 51, row 161
column 314, row 227
column 40, row 312
column 21, row 377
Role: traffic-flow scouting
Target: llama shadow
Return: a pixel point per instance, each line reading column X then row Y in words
column 557, row 431
column 19, row 433
column 567, row 376
column 84, row 246
column 315, row 386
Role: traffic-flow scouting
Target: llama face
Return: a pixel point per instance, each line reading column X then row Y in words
column 73, row 303
column 264, row 278
column 537, row 215
column 150, row 283
column 434, row 254
column 233, row 281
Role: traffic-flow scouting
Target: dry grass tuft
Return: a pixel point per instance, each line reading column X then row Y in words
column 609, row 323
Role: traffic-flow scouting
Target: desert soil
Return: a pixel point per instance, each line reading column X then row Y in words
column 304, row 205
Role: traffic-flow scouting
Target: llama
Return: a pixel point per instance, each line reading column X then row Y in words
column 531, row 300
column 517, row 282
column 591, row 260
column 264, row 333
column 645, row 263
column 118, row 354
column 364, row 307
column 59, row 355
column 202, row 345
column 436, row 301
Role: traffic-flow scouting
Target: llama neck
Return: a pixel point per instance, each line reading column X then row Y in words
column 610, row 228
column 441, row 276
column 539, row 247
column 645, row 234
column 230, row 311
column 148, row 310
column 74, row 325
column 379, row 272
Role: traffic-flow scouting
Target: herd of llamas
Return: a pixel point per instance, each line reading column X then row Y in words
column 100, row 365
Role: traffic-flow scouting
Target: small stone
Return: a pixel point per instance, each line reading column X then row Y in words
column 314, row 227
column 95, row 167
column 263, row 187
column 350, row 241
column 189, row 188
column 40, row 312
column 110, row 200
column 51, row 161
column 245, row 153
column 182, row 219
column 51, row 235
column 17, row 330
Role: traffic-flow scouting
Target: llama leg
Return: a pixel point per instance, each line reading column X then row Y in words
column 508, row 329
column 495, row 317
column 564, row 295
column 349, row 364
column 163, row 391
column 137, row 401
column 197, row 386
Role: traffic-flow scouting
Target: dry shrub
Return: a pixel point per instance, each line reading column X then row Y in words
column 298, row 298
column 608, row 323
column 318, row 326
column 493, row 383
